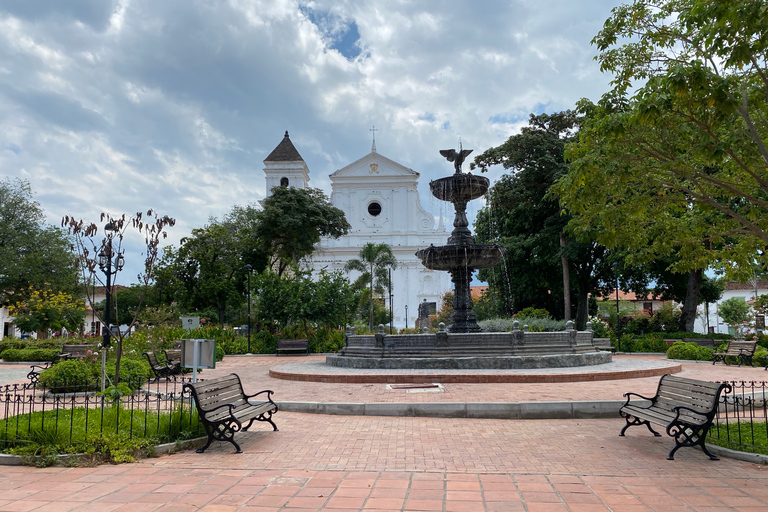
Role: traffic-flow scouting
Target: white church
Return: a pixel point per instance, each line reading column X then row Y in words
column 380, row 200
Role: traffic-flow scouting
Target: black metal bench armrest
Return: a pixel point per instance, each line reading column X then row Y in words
column 679, row 408
column 206, row 411
column 629, row 395
column 269, row 393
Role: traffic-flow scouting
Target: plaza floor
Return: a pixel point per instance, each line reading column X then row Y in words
column 376, row 463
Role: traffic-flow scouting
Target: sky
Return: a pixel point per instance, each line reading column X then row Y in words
column 122, row 106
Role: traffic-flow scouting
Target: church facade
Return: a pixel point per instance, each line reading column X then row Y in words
column 380, row 200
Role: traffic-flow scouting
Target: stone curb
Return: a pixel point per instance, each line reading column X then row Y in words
column 161, row 449
column 485, row 410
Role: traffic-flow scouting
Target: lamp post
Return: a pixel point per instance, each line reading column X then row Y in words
column 109, row 267
column 390, row 300
column 618, row 316
column 249, row 267
column 406, row 316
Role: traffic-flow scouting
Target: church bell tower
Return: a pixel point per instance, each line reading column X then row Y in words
column 284, row 167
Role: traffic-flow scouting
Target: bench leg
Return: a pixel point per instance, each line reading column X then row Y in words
column 686, row 437
column 220, row 432
column 637, row 421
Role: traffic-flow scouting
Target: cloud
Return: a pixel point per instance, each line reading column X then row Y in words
column 126, row 105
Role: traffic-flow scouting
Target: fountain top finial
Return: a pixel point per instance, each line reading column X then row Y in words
column 457, row 157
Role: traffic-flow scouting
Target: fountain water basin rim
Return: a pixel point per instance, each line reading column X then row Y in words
column 459, row 187
column 451, row 257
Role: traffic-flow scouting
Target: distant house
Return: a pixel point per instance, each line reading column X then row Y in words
column 92, row 326
column 746, row 291
column 649, row 304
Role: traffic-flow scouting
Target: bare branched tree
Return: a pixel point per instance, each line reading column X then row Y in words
column 94, row 249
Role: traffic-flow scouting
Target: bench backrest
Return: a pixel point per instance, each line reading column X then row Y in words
column 152, row 358
column 741, row 347
column 173, row 356
column 700, row 396
column 212, row 393
column 76, row 350
column 298, row 344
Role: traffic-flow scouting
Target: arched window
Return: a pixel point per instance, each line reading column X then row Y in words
column 283, row 181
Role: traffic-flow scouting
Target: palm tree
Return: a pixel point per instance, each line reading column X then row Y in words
column 373, row 262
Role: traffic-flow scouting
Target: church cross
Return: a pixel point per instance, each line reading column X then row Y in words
column 373, row 130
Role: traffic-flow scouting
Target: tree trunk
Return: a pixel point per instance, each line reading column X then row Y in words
column 566, row 280
column 370, row 315
column 582, row 306
column 692, row 293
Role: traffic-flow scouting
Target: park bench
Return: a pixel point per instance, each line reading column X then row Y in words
column 173, row 359
column 74, row 352
column 702, row 342
column 67, row 352
column 34, row 373
column 223, row 408
column 293, row 346
column 742, row 350
column 685, row 407
column 603, row 344
column 159, row 369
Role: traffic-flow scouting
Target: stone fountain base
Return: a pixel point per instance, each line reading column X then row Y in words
column 443, row 350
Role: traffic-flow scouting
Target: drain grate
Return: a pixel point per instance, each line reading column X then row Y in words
column 417, row 388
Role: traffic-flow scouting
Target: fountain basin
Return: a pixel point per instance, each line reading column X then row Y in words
column 507, row 350
column 459, row 187
column 451, row 257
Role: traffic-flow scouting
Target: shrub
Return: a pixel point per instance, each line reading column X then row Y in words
column 29, row 354
column 326, row 340
column 689, row 351
column 70, row 376
column 133, row 372
column 600, row 329
column 220, row 353
column 645, row 343
column 760, row 358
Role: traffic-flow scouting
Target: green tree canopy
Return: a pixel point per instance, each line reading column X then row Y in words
column 32, row 254
column 524, row 219
column 734, row 312
column 292, row 222
column 673, row 158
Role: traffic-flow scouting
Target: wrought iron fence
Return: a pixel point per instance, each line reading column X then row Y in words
column 741, row 422
column 73, row 415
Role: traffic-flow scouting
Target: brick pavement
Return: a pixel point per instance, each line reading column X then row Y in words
column 346, row 463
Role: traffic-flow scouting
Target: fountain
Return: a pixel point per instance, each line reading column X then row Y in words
column 462, row 256
column 462, row 345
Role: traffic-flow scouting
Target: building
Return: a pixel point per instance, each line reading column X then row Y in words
column 380, row 200
column 746, row 291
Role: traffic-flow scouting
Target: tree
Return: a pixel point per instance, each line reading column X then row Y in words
column 522, row 217
column 90, row 246
column 326, row 300
column 374, row 262
column 208, row 270
column 45, row 309
column 735, row 312
column 292, row 222
column 32, row 254
column 680, row 165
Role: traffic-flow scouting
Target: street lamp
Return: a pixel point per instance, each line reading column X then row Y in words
column 406, row 316
column 618, row 317
column 390, row 300
column 249, row 267
column 109, row 267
